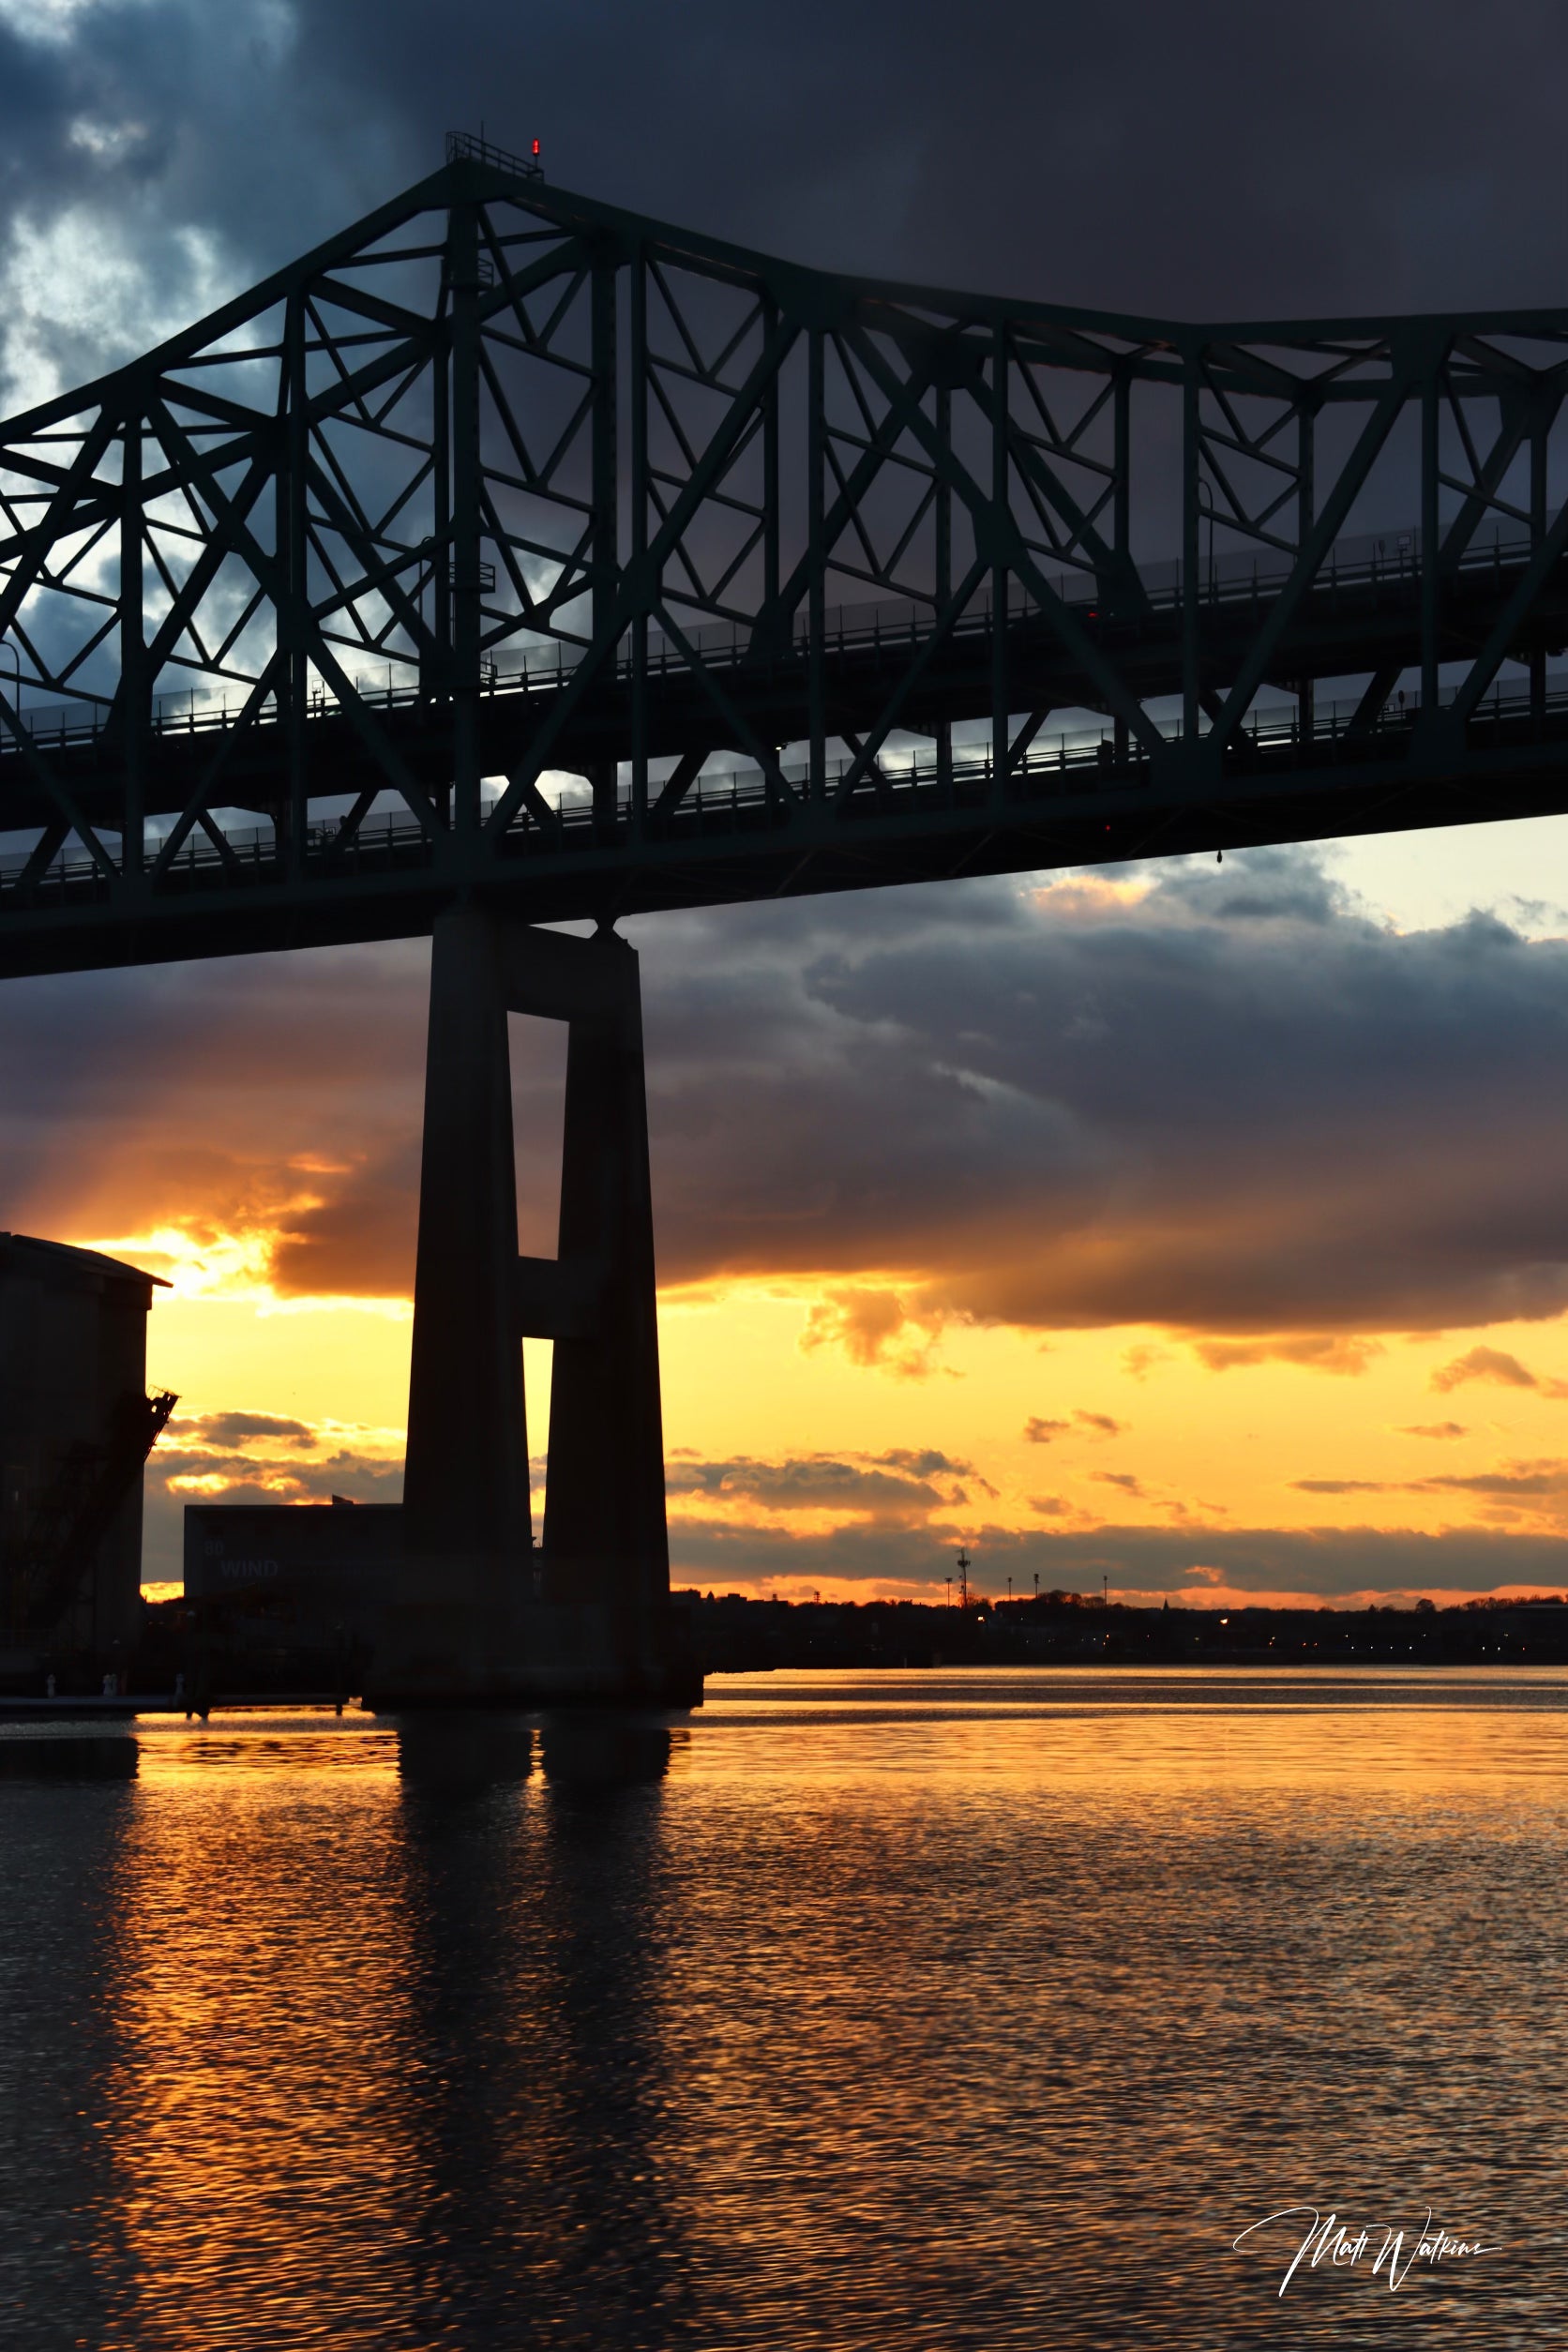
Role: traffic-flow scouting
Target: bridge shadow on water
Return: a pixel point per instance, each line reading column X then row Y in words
column 322, row 2034
column 537, row 1885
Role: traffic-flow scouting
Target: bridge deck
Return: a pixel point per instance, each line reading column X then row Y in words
column 1072, row 802
column 502, row 483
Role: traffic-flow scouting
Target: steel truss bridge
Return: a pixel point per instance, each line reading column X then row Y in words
column 514, row 549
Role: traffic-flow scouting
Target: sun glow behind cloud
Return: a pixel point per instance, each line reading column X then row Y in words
column 986, row 1277
column 201, row 1262
column 916, row 1162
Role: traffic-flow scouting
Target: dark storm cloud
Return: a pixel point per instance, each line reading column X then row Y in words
column 233, row 1428
column 1182, row 1562
column 886, row 1487
column 1217, row 159
column 154, row 157
column 1237, row 1110
column 218, row 1096
column 246, row 1478
column 1236, row 1105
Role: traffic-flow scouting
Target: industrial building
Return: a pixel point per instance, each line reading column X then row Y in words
column 306, row 1583
column 76, row 1427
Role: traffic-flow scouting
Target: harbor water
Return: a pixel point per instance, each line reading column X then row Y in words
column 921, row 2009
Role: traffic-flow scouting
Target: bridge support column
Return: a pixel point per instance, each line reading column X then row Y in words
column 482, row 1616
column 606, row 1537
column 465, row 1491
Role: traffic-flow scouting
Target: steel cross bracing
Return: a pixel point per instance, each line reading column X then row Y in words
column 511, row 544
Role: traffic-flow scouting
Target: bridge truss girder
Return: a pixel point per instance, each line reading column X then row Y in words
column 304, row 615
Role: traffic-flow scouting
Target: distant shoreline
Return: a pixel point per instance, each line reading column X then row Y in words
column 734, row 1633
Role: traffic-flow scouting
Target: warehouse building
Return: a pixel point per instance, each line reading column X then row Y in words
column 76, row 1427
column 297, row 1577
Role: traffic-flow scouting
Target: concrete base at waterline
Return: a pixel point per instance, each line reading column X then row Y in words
column 526, row 1652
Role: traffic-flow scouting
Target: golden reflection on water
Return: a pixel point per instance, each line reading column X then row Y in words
column 853, row 2011
column 1227, row 1737
column 259, row 2001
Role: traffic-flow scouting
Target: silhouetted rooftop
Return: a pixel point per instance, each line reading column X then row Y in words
column 64, row 1258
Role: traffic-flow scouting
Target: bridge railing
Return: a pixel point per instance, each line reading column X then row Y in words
column 1075, row 759
column 1369, row 559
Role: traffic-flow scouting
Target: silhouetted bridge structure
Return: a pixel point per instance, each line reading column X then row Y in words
column 512, row 559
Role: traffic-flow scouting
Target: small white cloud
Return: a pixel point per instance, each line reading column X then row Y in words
column 53, row 23
column 85, row 291
column 107, row 143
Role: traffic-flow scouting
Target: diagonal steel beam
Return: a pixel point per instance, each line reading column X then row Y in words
column 1325, row 530
column 50, row 841
column 864, row 762
column 189, row 594
column 272, row 577
column 1364, row 718
column 51, row 526
column 637, row 592
column 545, row 817
column 997, row 536
column 775, row 618
column 377, row 578
column 765, row 755
column 1513, row 433
column 678, row 783
column 196, row 808
column 1505, row 629
column 55, row 788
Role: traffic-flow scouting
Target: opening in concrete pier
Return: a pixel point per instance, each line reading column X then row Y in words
column 537, row 1055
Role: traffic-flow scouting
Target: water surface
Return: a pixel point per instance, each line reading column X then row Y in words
column 926, row 2009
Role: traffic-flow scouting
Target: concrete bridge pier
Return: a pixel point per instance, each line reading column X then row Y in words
column 481, row 1615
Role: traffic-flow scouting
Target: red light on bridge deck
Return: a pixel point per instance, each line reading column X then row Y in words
column 535, row 150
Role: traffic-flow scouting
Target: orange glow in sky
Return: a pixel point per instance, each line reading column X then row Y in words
column 850, row 1393
column 1133, row 1427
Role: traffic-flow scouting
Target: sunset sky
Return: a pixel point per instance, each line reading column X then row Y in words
column 1204, row 1228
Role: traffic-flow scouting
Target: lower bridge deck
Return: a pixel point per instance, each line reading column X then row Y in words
column 1069, row 800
